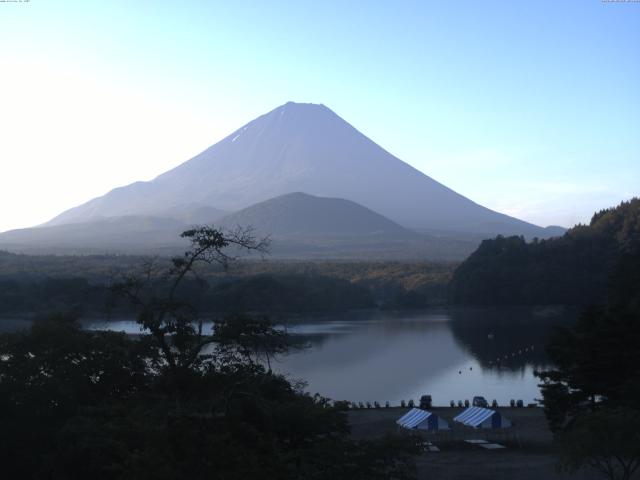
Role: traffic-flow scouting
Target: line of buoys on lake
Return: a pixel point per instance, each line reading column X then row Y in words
column 513, row 354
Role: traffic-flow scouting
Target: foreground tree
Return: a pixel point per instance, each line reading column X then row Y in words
column 607, row 440
column 155, row 294
column 597, row 364
column 51, row 374
column 176, row 403
column 591, row 396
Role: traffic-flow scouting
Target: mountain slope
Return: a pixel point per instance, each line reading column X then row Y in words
column 303, row 148
column 193, row 213
column 126, row 234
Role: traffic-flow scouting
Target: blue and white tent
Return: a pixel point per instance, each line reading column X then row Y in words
column 478, row 417
column 422, row 420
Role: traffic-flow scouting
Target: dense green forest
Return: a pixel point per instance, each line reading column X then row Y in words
column 572, row 269
column 31, row 285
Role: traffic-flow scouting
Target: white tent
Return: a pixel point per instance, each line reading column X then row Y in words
column 422, row 420
column 478, row 417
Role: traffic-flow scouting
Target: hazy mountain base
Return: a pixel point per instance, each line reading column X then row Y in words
column 300, row 226
column 374, row 248
column 156, row 236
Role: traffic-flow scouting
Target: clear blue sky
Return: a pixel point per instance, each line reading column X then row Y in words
column 528, row 107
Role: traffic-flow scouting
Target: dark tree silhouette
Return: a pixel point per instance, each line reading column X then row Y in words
column 574, row 269
column 178, row 402
column 606, row 440
column 173, row 322
column 591, row 394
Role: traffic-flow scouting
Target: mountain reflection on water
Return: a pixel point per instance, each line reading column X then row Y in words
column 451, row 354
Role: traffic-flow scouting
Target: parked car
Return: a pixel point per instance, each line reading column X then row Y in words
column 480, row 402
column 425, row 402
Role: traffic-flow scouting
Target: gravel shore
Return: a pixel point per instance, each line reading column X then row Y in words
column 528, row 456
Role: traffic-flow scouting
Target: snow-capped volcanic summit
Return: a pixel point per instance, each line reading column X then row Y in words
column 300, row 147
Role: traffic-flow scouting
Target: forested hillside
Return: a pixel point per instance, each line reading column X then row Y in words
column 573, row 269
column 32, row 285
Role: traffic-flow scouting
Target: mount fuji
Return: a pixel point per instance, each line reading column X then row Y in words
column 297, row 147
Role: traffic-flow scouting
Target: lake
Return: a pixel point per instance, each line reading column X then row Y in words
column 451, row 354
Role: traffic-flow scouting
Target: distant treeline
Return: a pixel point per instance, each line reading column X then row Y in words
column 27, row 296
column 262, row 293
column 31, row 285
column 573, row 269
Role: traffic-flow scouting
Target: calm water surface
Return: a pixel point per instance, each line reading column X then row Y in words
column 451, row 354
